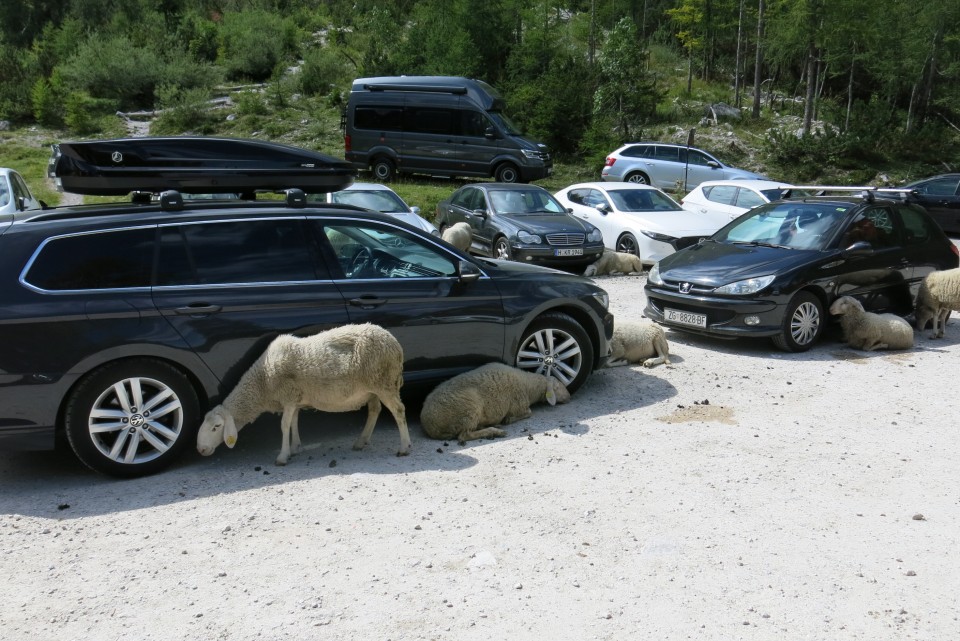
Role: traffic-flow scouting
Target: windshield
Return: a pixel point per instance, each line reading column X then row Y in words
column 524, row 202
column 376, row 200
column 505, row 123
column 642, row 200
column 797, row 225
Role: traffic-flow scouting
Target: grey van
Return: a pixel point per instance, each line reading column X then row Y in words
column 437, row 125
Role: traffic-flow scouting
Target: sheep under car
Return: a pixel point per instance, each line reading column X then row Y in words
column 868, row 331
column 339, row 370
column 611, row 262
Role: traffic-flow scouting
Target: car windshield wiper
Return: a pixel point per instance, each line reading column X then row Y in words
column 755, row 243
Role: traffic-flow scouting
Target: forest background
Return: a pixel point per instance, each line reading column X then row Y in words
column 850, row 91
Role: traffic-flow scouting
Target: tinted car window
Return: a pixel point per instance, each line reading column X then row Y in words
column 697, row 158
column 106, row 260
column 429, row 120
column 939, row 187
column 473, row 123
column 385, row 118
column 667, row 153
column 642, row 200
column 637, row 151
column 249, row 251
column 919, row 228
column 369, row 251
column 470, row 199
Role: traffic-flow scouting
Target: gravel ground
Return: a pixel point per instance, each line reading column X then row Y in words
column 740, row 493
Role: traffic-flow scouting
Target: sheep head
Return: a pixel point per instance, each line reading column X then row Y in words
column 844, row 305
column 556, row 392
column 218, row 427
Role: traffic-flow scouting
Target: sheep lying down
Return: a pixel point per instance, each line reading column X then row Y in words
column 469, row 406
column 638, row 342
column 868, row 331
column 339, row 370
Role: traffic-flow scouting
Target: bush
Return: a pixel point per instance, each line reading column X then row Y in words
column 48, row 103
column 254, row 43
column 183, row 111
column 80, row 116
column 322, row 70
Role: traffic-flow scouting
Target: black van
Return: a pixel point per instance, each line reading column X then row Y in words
column 438, row 125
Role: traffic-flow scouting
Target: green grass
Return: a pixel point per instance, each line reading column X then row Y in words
column 29, row 155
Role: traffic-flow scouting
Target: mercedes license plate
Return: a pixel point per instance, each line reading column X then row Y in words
column 685, row 318
column 568, row 252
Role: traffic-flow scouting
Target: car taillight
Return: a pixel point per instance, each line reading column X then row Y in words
column 610, row 161
column 346, row 143
column 954, row 248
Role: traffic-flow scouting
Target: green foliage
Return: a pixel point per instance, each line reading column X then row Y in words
column 80, row 113
column 251, row 103
column 254, row 43
column 47, row 103
column 185, row 111
column 116, row 68
column 323, row 70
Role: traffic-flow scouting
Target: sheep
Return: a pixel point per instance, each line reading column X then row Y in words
column 939, row 295
column 638, row 341
column 612, row 261
column 460, row 235
column 868, row 331
column 468, row 406
column 339, row 370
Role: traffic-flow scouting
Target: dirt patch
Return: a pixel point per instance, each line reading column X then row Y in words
column 700, row 413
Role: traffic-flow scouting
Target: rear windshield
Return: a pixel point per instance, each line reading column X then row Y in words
column 798, row 225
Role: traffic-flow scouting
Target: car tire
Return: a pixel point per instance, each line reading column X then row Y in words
column 383, row 169
column 627, row 243
column 111, row 435
column 556, row 345
column 802, row 324
column 507, row 173
column 638, row 178
column 501, row 248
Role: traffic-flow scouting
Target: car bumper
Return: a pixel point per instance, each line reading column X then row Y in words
column 546, row 255
column 536, row 170
column 726, row 317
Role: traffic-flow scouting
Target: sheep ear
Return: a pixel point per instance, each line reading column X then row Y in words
column 551, row 394
column 229, row 431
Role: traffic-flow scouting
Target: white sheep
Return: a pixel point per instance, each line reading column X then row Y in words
column 939, row 295
column 611, row 262
column 868, row 331
column 468, row 406
column 638, row 341
column 339, row 370
column 460, row 235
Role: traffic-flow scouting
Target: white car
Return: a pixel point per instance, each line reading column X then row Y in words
column 14, row 194
column 731, row 198
column 638, row 219
column 381, row 198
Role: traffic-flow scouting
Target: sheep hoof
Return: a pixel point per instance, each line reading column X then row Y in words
column 403, row 453
column 359, row 445
column 281, row 461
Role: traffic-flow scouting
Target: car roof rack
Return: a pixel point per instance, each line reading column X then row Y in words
column 192, row 165
column 867, row 192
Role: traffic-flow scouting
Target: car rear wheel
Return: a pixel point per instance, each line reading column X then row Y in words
column 802, row 324
column 132, row 418
column 501, row 249
column 556, row 345
column 638, row 178
column 628, row 244
column 383, row 169
column 507, row 173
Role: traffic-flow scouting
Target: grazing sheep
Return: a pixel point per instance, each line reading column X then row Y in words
column 638, row 341
column 459, row 235
column 868, row 331
column 611, row 262
column 339, row 370
column 939, row 295
column 469, row 405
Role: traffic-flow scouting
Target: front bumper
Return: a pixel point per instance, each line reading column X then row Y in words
column 725, row 315
column 545, row 254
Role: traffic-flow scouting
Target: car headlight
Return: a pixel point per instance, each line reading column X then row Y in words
column 603, row 298
column 663, row 238
column 744, row 287
column 531, row 153
column 653, row 276
column 528, row 238
column 596, row 236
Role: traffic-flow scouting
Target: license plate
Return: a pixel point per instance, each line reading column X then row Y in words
column 685, row 318
column 568, row 252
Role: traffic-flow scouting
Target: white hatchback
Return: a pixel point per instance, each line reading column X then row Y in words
column 731, row 198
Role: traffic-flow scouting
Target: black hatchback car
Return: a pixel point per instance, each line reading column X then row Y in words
column 524, row 223
column 940, row 196
column 124, row 322
column 774, row 270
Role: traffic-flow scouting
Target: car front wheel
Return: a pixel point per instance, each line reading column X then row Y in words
column 501, row 249
column 628, row 244
column 802, row 324
column 556, row 345
column 132, row 418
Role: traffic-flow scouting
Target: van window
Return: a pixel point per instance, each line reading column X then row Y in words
column 473, row 123
column 106, row 260
column 429, row 120
column 383, row 118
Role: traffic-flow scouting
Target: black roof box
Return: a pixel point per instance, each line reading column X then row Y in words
column 193, row 165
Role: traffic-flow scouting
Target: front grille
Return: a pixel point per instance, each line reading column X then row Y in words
column 674, row 286
column 565, row 239
column 688, row 241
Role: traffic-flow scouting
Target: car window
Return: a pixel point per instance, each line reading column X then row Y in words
column 642, row 200
column 637, row 151
column 468, row 198
column 723, row 194
column 104, row 260
column 918, row 228
column 524, row 202
column 376, row 200
column 473, row 123
column 430, row 120
column 662, row 152
column 20, row 188
column 946, row 186
column 697, row 158
column 748, row 199
column 386, row 118
column 787, row 224
column 578, row 196
column 4, row 193
column 874, row 225
column 595, row 197
column 369, row 251
column 247, row 251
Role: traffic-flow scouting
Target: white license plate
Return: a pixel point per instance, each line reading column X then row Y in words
column 568, row 252
column 685, row 318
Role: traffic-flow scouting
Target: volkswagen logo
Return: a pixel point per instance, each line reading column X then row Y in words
column 116, row 156
column 684, row 288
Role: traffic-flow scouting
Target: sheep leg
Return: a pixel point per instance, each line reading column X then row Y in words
column 617, row 362
column 295, row 432
column 663, row 353
column 513, row 419
column 485, row 432
column 289, row 416
column 942, row 315
column 395, row 405
column 373, row 411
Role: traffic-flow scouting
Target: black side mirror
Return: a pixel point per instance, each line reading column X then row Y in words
column 603, row 208
column 21, row 203
column 859, row 248
column 490, row 133
column 468, row 272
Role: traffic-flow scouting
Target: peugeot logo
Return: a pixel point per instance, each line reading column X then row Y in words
column 684, row 288
column 116, row 156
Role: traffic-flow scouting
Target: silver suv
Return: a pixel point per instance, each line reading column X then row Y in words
column 664, row 165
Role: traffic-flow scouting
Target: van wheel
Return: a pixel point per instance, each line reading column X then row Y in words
column 507, row 173
column 383, row 169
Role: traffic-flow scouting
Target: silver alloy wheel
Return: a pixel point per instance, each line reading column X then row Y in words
column 501, row 249
column 638, row 179
column 135, row 420
column 805, row 323
column 551, row 352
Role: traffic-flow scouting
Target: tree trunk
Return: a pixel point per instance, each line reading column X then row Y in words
column 853, row 62
column 926, row 94
column 736, row 67
column 759, row 61
column 811, row 89
column 690, row 72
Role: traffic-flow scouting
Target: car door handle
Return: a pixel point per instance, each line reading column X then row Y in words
column 198, row 309
column 367, row 302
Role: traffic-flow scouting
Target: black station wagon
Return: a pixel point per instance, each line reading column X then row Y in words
column 122, row 323
column 775, row 269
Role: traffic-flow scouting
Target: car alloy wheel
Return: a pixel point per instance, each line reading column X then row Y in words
column 802, row 324
column 501, row 249
column 556, row 345
column 628, row 244
column 132, row 418
column 638, row 179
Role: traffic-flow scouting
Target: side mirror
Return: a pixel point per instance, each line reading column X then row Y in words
column 415, row 210
column 713, row 164
column 859, row 248
column 490, row 133
column 21, row 203
column 468, row 272
column 480, row 213
column 603, row 208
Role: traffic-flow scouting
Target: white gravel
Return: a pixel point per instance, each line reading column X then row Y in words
column 741, row 493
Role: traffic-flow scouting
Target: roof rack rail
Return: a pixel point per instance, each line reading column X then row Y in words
column 867, row 192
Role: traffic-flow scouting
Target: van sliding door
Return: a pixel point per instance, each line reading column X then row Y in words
column 429, row 127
